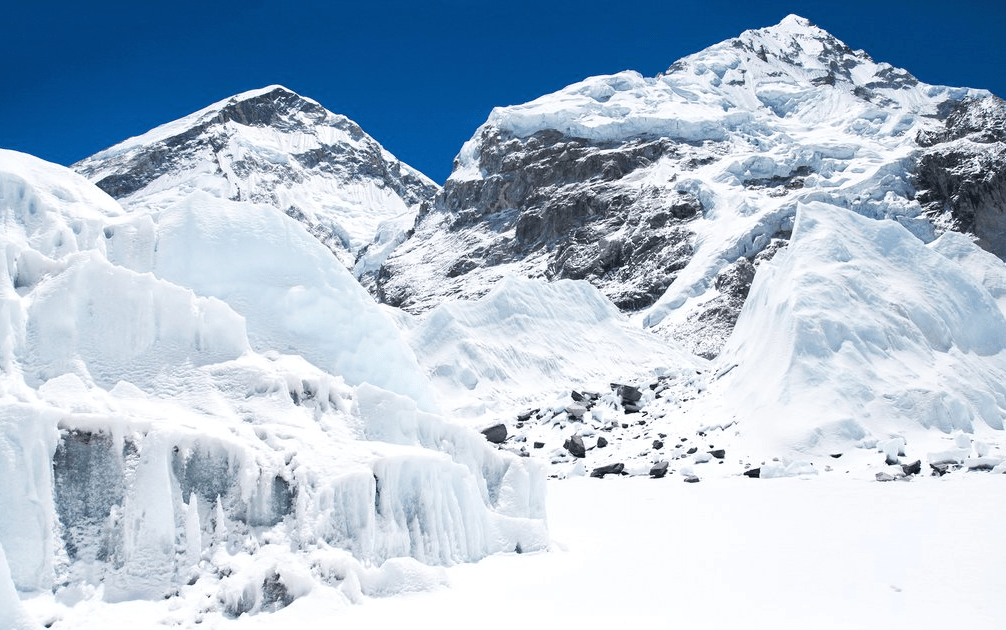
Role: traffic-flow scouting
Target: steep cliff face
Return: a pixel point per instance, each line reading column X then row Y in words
column 667, row 192
column 274, row 147
column 961, row 174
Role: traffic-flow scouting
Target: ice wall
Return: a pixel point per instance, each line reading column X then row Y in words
column 205, row 404
column 859, row 332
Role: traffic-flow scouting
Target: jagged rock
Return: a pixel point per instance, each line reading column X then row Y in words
column 610, row 469
column 575, row 446
column 539, row 445
column 526, row 415
column 718, row 453
column 753, row 473
column 940, row 468
column 961, row 177
column 691, row 479
column 576, row 410
column 627, row 393
column 659, row 469
column 912, row 469
column 577, row 396
column 601, row 442
column 883, row 476
column 657, row 445
column 496, row 434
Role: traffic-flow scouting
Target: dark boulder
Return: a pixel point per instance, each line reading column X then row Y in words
column 610, row 469
column 754, row 473
column 601, row 442
column 912, row 469
column 718, row 453
column 627, row 393
column 657, row 444
column 496, row 433
column 659, row 469
column 575, row 446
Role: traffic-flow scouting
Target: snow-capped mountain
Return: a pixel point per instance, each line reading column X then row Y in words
column 667, row 192
column 274, row 147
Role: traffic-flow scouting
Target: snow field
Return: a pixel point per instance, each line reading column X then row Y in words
column 788, row 553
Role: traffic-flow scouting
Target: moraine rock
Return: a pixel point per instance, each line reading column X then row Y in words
column 575, row 446
column 601, row 442
column 659, row 469
column 912, row 469
column 610, row 469
column 496, row 434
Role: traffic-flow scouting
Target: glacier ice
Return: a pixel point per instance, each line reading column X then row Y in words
column 860, row 331
column 205, row 398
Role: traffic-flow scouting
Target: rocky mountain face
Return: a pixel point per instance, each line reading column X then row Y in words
column 961, row 175
column 274, row 147
column 666, row 193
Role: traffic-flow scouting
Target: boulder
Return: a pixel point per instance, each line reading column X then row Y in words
column 601, row 442
column 576, row 410
column 912, row 469
column 882, row 476
column 718, row 453
column 575, row 446
column 691, row 479
column 610, row 469
column 539, row 445
column 627, row 393
column 754, row 473
column 657, row 444
column 496, row 433
column 659, row 469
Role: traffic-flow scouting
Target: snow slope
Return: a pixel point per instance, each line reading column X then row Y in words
column 158, row 443
column 528, row 340
column 274, row 147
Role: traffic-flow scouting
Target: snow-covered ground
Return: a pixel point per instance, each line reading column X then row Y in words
column 789, row 553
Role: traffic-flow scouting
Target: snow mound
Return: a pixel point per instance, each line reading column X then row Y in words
column 859, row 332
column 203, row 403
column 527, row 339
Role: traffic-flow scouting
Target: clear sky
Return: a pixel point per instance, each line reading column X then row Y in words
column 78, row 76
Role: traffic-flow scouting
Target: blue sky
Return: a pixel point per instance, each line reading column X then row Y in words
column 419, row 77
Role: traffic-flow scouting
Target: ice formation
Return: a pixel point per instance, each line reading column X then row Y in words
column 203, row 402
column 860, row 332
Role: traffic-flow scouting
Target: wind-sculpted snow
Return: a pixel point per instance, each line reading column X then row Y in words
column 859, row 332
column 274, row 147
column 662, row 191
column 528, row 339
column 201, row 404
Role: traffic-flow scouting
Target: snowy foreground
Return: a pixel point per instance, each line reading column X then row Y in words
column 825, row 553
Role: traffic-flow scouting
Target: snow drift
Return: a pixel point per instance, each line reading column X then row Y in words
column 860, row 332
column 530, row 339
column 203, row 403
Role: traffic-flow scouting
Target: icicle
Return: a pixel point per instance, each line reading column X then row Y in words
column 220, row 527
column 193, row 532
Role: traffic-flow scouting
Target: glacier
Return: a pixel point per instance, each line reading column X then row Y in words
column 203, row 402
